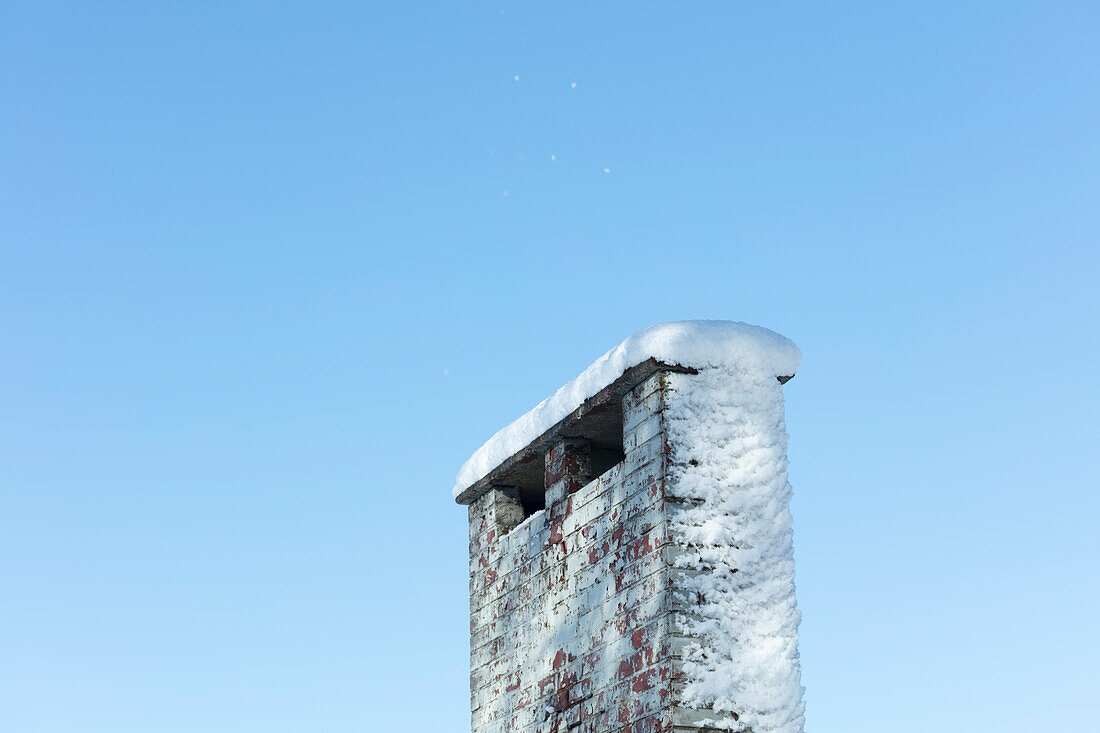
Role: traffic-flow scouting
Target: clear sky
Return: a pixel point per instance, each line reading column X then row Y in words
column 269, row 273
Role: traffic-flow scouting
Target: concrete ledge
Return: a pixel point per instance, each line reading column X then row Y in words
column 599, row 420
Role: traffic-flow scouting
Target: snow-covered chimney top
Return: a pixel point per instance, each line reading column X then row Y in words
column 680, row 345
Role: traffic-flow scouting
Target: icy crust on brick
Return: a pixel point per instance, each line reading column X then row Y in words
column 730, row 523
column 737, row 347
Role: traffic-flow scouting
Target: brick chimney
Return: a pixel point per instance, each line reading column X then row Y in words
column 631, row 564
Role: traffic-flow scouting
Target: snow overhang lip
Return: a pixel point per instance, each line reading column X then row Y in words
column 676, row 346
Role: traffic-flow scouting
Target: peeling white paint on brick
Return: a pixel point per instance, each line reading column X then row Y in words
column 570, row 611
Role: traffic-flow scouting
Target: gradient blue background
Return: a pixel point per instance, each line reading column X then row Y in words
column 262, row 292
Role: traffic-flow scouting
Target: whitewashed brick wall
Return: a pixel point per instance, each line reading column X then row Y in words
column 571, row 612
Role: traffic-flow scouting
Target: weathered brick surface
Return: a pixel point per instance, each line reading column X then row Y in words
column 570, row 611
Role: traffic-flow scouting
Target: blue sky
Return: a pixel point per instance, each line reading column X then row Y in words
column 269, row 273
